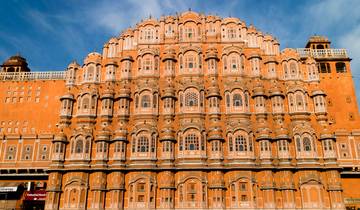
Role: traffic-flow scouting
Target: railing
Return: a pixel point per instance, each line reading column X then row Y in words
column 25, row 76
column 322, row 53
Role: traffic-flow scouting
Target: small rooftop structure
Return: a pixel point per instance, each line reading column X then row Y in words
column 15, row 63
column 318, row 42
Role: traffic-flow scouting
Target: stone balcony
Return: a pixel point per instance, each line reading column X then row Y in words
column 26, row 76
column 322, row 53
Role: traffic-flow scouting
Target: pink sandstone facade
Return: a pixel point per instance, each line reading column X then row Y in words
column 184, row 112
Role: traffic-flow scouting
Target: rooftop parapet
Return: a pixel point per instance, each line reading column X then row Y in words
column 322, row 53
column 26, row 76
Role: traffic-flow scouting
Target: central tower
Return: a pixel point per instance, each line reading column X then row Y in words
column 194, row 112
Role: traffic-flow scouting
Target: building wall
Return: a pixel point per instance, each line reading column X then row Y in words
column 29, row 115
column 190, row 111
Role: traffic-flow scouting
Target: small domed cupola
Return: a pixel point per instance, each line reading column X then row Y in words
column 15, row 63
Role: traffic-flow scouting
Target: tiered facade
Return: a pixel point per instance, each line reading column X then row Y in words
column 195, row 112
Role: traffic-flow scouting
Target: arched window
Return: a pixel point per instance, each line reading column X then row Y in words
column 139, row 62
column 143, row 144
column 271, row 69
column 181, row 63
column 90, row 73
column 227, row 99
column 85, row 103
column 286, row 72
column 93, row 102
column 293, row 69
column 169, row 30
column 298, row 144
column 145, row 101
column 300, row 103
column 191, row 142
column 231, row 32
column 79, row 146
column 156, row 63
column 234, row 62
column 191, row 99
column 190, row 61
column 312, row 72
column 237, row 100
column 181, row 99
column 149, row 34
column 291, row 101
column 87, row 145
column 112, row 50
column 240, row 143
column 154, row 100
column 127, row 66
column 224, row 62
column 70, row 76
column 255, row 65
column 307, row 144
column 153, row 143
column 136, row 101
column 147, row 63
column 230, row 144
column 246, row 99
column 189, row 33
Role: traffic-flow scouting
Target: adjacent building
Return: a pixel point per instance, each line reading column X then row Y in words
column 189, row 111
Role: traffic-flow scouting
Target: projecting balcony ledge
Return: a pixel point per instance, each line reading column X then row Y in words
column 308, row 164
column 77, row 166
column 289, row 187
column 300, row 116
column 166, row 164
column 65, row 114
column 86, row 115
column 99, row 165
column 330, row 160
column 268, row 188
column 218, row 165
column 191, row 160
column 142, row 164
column 243, row 162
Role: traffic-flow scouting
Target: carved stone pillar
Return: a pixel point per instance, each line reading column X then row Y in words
column 116, row 188
column 53, row 191
column 97, row 190
column 216, row 196
column 166, row 197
